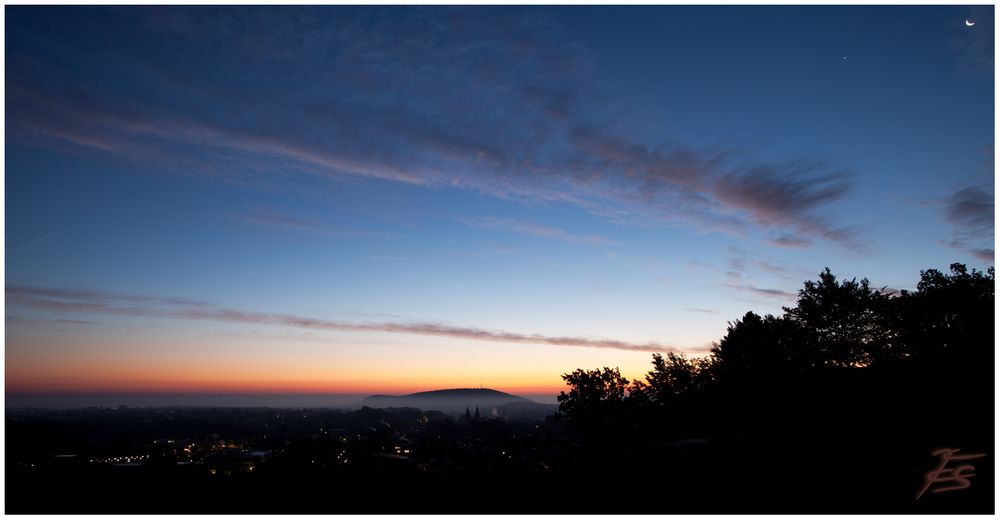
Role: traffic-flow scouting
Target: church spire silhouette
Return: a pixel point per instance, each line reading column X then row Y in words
column 467, row 416
column 476, row 418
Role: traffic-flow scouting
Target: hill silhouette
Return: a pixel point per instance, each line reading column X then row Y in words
column 454, row 401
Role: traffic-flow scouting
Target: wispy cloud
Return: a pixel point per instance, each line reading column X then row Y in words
column 538, row 230
column 721, row 189
column 782, row 270
column 775, row 194
column 143, row 132
column 25, row 320
column 100, row 302
column 790, row 240
column 33, row 242
column 984, row 254
column 96, row 296
column 971, row 211
column 490, row 105
column 774, row 293
column 739, row 276
column 770, row 293
column 766, row 292
column 971, row 208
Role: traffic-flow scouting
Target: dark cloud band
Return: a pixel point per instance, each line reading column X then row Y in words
column 100, row 302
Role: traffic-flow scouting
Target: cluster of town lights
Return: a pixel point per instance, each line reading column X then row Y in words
column 120, row 460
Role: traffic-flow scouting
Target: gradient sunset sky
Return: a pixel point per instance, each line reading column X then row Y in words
column 392, row 199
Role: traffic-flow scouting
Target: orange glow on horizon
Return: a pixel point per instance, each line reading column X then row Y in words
column 253, row 387
column 165, row 365
column 164, row 381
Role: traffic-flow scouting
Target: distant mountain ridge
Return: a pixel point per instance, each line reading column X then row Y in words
column 454, row 401
column 453, row 393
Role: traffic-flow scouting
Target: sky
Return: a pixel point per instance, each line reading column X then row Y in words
column 336, row 199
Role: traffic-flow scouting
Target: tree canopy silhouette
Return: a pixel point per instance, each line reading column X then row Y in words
column 595, row 396
column 842, row 340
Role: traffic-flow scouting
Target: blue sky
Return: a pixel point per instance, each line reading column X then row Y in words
column 556, row 187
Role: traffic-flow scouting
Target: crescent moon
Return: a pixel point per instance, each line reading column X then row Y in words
column 969, row 24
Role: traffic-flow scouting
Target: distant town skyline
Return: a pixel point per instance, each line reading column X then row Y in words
column 390, row 199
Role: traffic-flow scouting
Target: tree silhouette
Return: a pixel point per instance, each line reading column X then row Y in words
column 950, row 318
column 595, row 396
column 674, row 378
column 755, row 346
column 847, row 390
column 843, row 321
column 835, row 346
